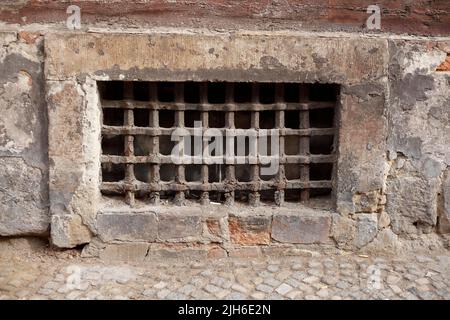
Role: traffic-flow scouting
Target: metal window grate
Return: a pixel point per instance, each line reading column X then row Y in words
column 139, row 118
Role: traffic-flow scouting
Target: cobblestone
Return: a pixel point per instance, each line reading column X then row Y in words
column 336, row 277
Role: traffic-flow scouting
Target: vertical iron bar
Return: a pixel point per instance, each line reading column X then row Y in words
column 230, row 141
column 204, row 199
column 304, row 141
column 179, row 123
column 279, row 124
column 129, row 147
column 254, row 196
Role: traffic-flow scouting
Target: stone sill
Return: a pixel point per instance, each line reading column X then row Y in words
column 234, row 225
column 316, row 206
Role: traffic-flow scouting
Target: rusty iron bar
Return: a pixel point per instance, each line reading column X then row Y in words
column 229, row 106
column 129, row 146
column 179, row 123
column 121, row 186
column 279, row 124
column 155, row 196
column 226, row 187
column 162, row 159
column 126, row 130
column 204, row 197
column 304, row 140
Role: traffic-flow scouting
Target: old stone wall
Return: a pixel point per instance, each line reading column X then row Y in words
column 408, row 204
column 419, row 138
column 23, row 136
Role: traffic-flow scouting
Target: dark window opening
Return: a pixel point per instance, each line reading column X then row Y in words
column 137, row 140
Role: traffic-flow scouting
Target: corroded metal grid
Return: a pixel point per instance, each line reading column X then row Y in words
column 139, row 118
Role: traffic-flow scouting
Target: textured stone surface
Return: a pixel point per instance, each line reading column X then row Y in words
column 20, row 199
column 362, row 145
column 127, row 227
column 23, row 138
column 176, row 252
column 74, row 146
column 444, row 205
column 343, row 231
column 411, row 204
column 250, row 230
column 267, row 57
column 127, row 252
column 393, row 147
column 301, row 229
column 385, row 241
column 68, row 231
column 245, row 252
column 419, row 134
column 367, row 228
column 74, row 150
column 398, row 16
column 178, row 227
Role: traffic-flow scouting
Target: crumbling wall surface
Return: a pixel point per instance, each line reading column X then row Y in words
column 420, row 17
column 402, row 195
column 23, row 132
column 417, row 185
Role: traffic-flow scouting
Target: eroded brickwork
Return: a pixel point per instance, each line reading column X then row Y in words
column 420, row 17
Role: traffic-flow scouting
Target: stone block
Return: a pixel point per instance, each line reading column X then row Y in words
column 385, row 242
column 127, row 226
column 301, row 229
column 177, row 227
column 217, row 252
column 21, row 209
column 245, row 252
column 444, row 206
column 163, row 252
column 366, row 229
column 366, row 202
column 124, row 252
column 74, row 151
column 343, row 231
column 248, row 230
column 23, row 139
column 362, row 146
column 277, row 251
column 68, row 231
column 216, row 229
column 411, row 204
column 268, row 57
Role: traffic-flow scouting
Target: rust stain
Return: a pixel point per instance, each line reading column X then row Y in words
column 445, row 66
column 213, row 227
column 29, row 37
column 240, row 233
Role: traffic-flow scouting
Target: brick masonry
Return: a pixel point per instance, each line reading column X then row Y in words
column 420, row 17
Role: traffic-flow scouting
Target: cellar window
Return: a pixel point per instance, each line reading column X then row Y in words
column 139, row 119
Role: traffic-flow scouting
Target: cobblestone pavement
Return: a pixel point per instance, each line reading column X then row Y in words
column 64, row 275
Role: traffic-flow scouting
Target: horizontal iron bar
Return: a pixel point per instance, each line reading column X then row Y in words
column 164, row 159
column 149, row 131
column 133, row 104
column 122, row 187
